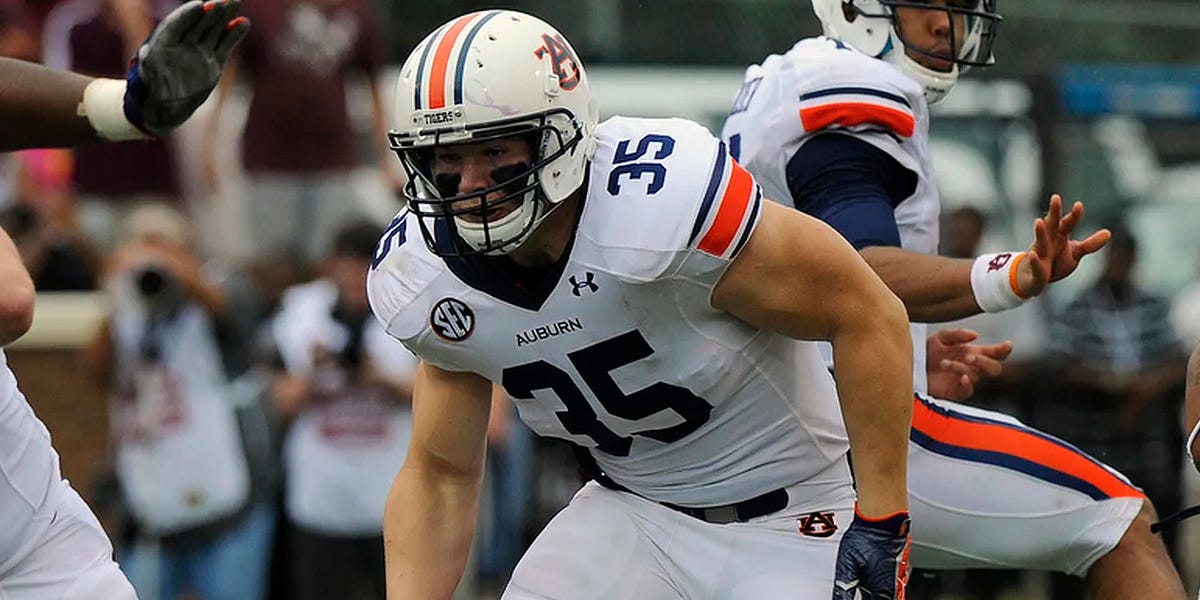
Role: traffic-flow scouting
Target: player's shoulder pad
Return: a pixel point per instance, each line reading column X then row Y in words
column 661, row 189
column 838, row 87
column 403, row 267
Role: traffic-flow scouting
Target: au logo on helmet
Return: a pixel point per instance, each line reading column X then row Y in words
column 566, row 66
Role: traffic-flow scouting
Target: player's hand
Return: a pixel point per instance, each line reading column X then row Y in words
column 953, row 364
column 872, row 558
column 177, row 68
column 1053, row 254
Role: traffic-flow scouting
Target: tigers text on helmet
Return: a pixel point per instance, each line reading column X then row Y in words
column 479, row 77
column 871, row 27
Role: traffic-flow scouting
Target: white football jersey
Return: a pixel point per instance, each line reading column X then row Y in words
column 621, row 351
column 821, row 86
column 29, row 469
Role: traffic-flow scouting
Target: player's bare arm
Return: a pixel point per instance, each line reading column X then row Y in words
column 791, row 257
column 1192, row 404
column 31, row 93
column 170, row 76
column 936, row 288
column 431, row 509
column 17, row 293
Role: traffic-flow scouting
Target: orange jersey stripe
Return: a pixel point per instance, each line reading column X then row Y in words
column 441, row 60
column 854, row 114
column 730, row 213
column 1023, row 445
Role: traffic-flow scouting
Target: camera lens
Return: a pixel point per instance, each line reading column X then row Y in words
column 151, row 282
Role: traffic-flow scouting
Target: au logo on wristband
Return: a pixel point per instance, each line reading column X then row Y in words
column 999, row 261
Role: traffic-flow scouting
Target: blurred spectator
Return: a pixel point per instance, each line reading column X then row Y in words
column 509, row 477
column 18, row 31
column 346, row 385
column 44, row 224
column 188, row 431
column 57, row 255
column 97, row 37
column 962, row 232
column 1185, row 312
column 298, row 148
column 18, row 39
column 1120, row 372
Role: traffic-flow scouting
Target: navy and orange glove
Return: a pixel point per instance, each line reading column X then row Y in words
column 872, row 558
column 176, row 69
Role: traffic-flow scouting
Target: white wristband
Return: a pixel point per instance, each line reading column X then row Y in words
column 994, row 281
column 104, row 106
column 1191, row 440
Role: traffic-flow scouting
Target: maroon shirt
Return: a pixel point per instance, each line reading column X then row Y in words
column 139, row 167
column 17, row 20
column 297, row 58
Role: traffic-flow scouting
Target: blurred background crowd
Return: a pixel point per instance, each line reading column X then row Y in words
column 205, row 357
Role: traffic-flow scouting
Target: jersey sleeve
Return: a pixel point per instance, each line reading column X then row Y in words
column 398, row 284
column 701, row 203
column 818, row 88
column 722, row 223
column 728, row 210
column 839, row 88
column 862, row 107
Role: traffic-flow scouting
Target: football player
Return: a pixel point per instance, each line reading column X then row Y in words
column 633, row 292
column 172, row 74
column 51, row 544
column 838, row 127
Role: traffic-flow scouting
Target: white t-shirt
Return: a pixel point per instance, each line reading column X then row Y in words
column 179, row 452
column 343, row 451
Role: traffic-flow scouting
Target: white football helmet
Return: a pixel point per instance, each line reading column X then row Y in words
column 482, row 76
column 870, row 27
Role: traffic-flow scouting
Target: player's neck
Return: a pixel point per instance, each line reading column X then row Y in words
column 552, row 237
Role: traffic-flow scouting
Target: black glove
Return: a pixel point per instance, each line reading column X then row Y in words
column 180, row 65
column 873, row 558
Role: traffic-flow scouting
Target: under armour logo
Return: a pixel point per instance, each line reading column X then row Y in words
column 588, row 283
column 999, row 261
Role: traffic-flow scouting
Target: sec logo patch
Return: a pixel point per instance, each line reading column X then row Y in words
column 452, row 320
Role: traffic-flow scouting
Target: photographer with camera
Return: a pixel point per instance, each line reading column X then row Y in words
column 175, row 352
column 346, row 387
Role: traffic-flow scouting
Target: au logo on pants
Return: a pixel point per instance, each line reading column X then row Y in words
column 818, row 524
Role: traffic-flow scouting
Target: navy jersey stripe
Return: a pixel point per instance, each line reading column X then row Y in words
column 714, row 183
column 745, row 237
column 1008, row 461
column 1026, row 430
column 856, row 90
column 1082, row 486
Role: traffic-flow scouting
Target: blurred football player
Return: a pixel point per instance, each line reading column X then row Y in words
column 838, row 127
column 171, row 76
column 51, row 544
column 633, row 292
